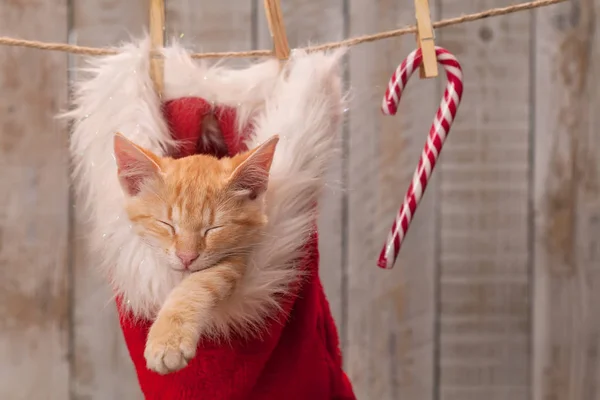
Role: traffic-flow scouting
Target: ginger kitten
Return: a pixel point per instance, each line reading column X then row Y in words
column 202, row 216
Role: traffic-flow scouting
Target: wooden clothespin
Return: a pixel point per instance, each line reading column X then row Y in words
column 281, row 47
column 157, row 41
column 425, row 40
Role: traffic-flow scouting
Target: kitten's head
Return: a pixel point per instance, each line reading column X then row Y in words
column 197, row 210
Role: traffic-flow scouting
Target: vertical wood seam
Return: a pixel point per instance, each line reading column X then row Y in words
column 343, row 329
column 254, row 23
column 437, row 274
column 71, row 217
column 531, row 234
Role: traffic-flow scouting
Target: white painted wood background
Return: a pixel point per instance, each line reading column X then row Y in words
column 495, row 292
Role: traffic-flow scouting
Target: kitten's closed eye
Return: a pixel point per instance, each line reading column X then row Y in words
column 212, row 228
column 168, row 225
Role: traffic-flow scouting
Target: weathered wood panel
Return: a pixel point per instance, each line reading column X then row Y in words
column 34, row 206
column 484, row 206
column 211, row 25
column 567, row 203
column 475, row 218
column 307, row 22
column 390, row 330
column 101, row 365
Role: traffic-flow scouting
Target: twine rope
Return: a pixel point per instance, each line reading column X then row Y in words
column 100, row 51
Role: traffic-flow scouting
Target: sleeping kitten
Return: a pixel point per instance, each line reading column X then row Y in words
column 204, row 216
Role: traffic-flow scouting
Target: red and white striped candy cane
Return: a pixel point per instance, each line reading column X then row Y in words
column 437, row 134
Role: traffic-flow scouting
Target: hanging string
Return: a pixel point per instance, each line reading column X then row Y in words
column 98, row 51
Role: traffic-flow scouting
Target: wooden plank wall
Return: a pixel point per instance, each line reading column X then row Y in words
column 493, row 295
column 566, row 331
column 390, row 327
column 34, row 207
column 101, row 367
column 484, row 227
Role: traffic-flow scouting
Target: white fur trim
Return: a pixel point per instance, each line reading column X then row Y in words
column 303, row 104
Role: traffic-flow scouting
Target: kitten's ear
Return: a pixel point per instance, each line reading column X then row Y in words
column 134, row 164
column 252, row 175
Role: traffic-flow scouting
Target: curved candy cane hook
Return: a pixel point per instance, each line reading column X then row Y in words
column 437, row 134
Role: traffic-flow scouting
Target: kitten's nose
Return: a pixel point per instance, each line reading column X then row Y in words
column 187, row 257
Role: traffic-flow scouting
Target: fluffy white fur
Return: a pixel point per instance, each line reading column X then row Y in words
column 303, row 104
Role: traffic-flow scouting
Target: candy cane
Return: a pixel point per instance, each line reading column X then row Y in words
column 437, row 134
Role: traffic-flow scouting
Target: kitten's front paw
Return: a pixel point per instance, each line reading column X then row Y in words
column 169, row 346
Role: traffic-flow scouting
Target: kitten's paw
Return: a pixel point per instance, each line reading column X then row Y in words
column 169, row 347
